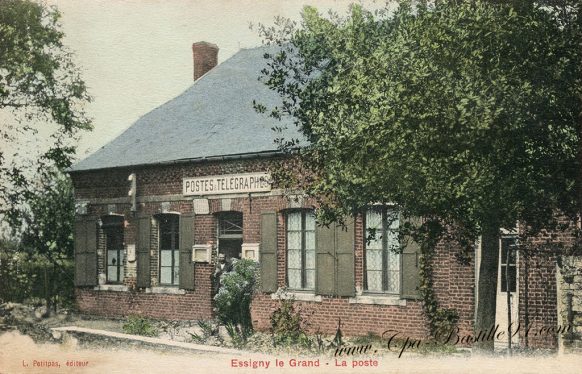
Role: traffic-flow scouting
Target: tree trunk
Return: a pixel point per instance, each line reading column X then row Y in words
column 487, row 289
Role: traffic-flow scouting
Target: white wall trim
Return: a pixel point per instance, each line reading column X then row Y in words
column 297, row 296
column 111, row 287
column 378, row 300
column 166, row 290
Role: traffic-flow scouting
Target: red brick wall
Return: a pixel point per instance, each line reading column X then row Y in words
column 191, row 306
column 453, row 281
column 542, row 297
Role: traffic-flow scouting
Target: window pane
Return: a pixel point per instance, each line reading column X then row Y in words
column 374, row 280
column 310, row 279
column 294, row 221
column 512, row 278
column 166, row 275
column 374, row 219
column 166, row 240
column 374, row 259
column 310, row 221
column 508, row 243
column 310, row 240
column 294, row 278
column 112, row 257
column 374, row 228
column 393, row 261
column 166, row 258
column 176, row 258
column 294, row 258
column 392, row 221
column 393, row 281
column 294, row 240
column 230, row 224
column 176, row 275
column 112, row 273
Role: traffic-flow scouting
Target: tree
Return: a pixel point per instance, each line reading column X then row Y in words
column 40, row 264
column 463, row 113
column 39, row 86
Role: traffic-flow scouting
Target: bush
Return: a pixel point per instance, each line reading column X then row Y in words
column 287, row 325
column 137, row 325
column 233, row 300
column 27, row 278
column 209, row 329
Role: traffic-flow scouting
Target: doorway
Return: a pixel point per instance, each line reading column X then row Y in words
column 507, row 271
column 230, row 235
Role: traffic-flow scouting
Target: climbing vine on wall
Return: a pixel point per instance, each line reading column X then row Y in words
column 441, row 320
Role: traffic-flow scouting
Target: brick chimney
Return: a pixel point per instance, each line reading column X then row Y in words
column 205, row 56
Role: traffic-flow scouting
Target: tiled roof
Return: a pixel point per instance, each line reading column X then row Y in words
column 214, row 117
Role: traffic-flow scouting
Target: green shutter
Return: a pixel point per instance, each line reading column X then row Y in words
column 345, row 258
column 268, row 252
column 143, row 251
column 186, row 243
column 91, row 253
column 80, row 244
column 325, row 260
column 410, row 267
column 86, row 252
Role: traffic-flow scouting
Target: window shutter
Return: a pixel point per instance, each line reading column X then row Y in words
column 268, row 252
column 325, row 260
column 345, row 258
column 143, row 251
column 410, row 267
column 86, row 252
column 186, row 243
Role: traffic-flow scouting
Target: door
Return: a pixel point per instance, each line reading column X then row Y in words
column 507, row 272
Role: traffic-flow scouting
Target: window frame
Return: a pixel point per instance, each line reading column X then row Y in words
column 303, row 249
column 386, row 252
column 503, row 265
column 173, row 220
column 113, row 230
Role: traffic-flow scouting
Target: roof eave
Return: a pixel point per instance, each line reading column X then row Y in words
column 240, row 156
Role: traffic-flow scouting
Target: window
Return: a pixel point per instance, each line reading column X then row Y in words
column 115, row 255
column 508, row 243
column 382, row 262
column 169, row 250
column 230, row 225
column 230, row 234
column 301, row 250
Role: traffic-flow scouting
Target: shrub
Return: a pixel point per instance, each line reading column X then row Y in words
column 138, row 325
column 287, row 325
column 233, row 300
column 208, row 329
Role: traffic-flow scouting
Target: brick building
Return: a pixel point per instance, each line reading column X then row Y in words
column 197, row 169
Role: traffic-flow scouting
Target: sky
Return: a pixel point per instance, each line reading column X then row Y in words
column 136, row 54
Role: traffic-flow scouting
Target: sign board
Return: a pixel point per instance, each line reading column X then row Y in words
column 227, row 184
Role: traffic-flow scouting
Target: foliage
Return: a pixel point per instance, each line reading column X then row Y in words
column 209, row 329
column 31, row 279
column 137, row 325
column 40, row 264
column 16, row 281
column 238, row 336
column 338, row 340
column 40, row 86
column 234, row 297
column 45, row 250
column 443, row 110
column 49, row 221
column 463, row 113
column 288, row 325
